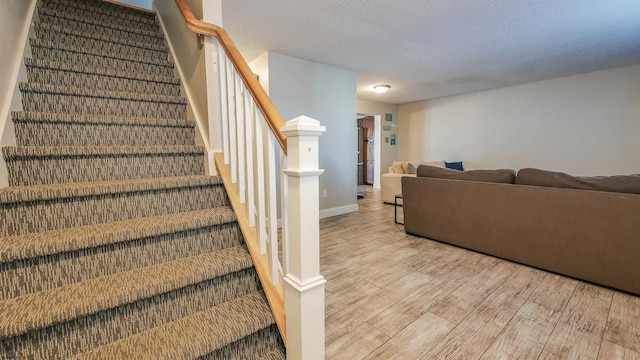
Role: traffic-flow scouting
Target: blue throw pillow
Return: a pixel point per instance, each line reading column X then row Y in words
column 454, row 165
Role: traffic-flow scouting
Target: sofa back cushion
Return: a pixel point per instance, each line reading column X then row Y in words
column 616, row 183
column 506, row 176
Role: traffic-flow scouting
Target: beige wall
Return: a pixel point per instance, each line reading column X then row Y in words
column 15, row 17
column 585, row 124
column 189, row 59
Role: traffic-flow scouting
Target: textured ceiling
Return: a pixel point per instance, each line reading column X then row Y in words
column 427, row 49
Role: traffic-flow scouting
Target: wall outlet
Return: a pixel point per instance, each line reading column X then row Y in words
column 324, row 192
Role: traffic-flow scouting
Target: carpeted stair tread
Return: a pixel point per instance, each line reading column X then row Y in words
column 71, row 207
column 24, row 194
column 105, row 7
column 116, row 73
column 66, row 339
column 105, row 79
column 192, row 336
column 92, row 25
column 81, row 10
column 45, row 243
column 37, row 43
column 56, row 129
column 45, row 308
column 26, row 116
column 162, row 68
column 104, row 45
column 275, row 354
column 54, row 32
column 20, row 152
column 73, row 100
column 93, row 93
column 39, row 165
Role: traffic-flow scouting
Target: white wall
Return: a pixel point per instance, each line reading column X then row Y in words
column 327, row 94
column 585, row 124
column 388, row 152
column 15, row 17
column 260, row 67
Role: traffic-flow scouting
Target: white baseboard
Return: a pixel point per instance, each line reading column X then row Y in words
column 340, row 210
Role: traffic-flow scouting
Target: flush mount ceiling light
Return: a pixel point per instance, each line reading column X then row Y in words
column 381, row 89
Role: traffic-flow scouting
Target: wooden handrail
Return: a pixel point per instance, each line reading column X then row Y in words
column 262, row 100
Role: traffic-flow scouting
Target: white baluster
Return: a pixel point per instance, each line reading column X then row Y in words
column 242, row 180
column 233, row 146
column 284, row 206
column 261, row 135
column 272, row 250
column 304, row 286
column 249, row 107
column 224, row 103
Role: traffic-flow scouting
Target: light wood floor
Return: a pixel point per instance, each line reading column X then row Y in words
column 394, row 296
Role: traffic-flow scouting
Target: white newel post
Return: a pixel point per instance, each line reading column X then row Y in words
column 303, row 284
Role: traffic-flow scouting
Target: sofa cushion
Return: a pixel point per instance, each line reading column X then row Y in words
column 439, row 164
column 616, row 183
column 397, row 167
column 405, row 167
column 506, row 176
column 413, row 167
column 454, row 165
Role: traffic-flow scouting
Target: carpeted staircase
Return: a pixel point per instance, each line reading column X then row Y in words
column 113, row 242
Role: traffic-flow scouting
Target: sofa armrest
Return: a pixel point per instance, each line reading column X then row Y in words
column 391, row 185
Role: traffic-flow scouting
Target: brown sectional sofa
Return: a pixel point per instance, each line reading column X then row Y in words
column 586, row 234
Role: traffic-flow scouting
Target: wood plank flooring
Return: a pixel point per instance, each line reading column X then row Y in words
column 394, row 296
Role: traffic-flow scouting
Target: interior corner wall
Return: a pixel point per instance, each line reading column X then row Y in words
column 15, row 17
column 260, row 67
column 586, row 124
column 188, row 58
column 327, row 94
column 388, row 152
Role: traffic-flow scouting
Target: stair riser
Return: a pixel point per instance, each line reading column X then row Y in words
column 253, row 346
column 56, row 170
column 107, row 326
column 32, row 275
column 106, row 46
column 93, row 30
column 54, row 103
column 100, row 82
column 73, row 134
column 88, row 57
column 22, row 218
column 108, row 15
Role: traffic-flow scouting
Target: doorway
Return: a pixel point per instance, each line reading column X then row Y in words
column 366, row 152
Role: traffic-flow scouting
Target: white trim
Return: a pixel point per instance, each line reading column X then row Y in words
column 303, row 286
column 303, row 173
column 340, row 210
column 377, row 133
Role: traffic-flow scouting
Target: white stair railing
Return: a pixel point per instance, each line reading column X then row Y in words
column 260, row 151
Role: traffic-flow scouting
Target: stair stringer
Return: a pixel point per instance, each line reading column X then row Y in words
column 273, row 292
